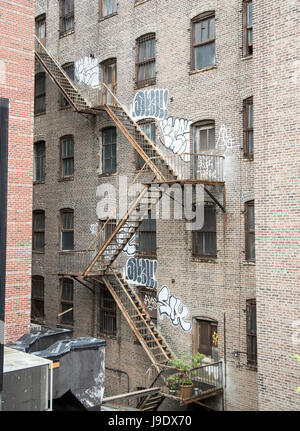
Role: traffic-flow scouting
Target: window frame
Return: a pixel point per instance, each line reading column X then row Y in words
column 248, row 231
column 66, row 230
column 251, row 334
column 68, row 303
column 38, row 20
column 246, row 129
column 147, row 232
column 196, row 20
column 108, row 15
column 41, row 76
column 205, row 256
column 113, row 152
column 36, row 298
column 68, row 157
column 36, row 230
column 146, row 62
column 111, row 312
column 247, row 47
column 63, row 16
column 213, row 324
column 39, row 159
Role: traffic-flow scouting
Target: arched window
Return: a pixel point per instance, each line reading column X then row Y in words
column 109, row 78
column 145, row 60
column 109, row 150
column 66, row 156
column 203, row 41
column 206, row 337
column 66, row 16
column 67, row 229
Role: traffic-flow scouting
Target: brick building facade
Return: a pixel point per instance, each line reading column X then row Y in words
column 17, row 86
column 185, row 73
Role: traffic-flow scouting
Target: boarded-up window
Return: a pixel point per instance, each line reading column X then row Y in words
column 147, row 238
column 108, row 313
column 37, row 299
column 204, row 241
column 66, row 301
column 249, row 231
column 251, row 333
column 38, row 237
column 67, row 156
column 40, row 93
column 39, row 161
column 248, row 128
column 109, row 145
column 203, row 41
column 67, row 229
column 206, row 336
column 66, row 16
column 145, row 62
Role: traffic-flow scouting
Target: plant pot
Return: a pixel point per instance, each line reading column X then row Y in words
column 197, row 391
column 172, row 391
column 187, row 391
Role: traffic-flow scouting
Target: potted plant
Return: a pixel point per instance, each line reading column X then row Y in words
column 173, row 384
column 186, row 384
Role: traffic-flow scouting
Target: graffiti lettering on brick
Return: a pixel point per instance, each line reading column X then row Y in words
column 130, row 247
column 176, row 133
column 87, row 71
column 141, row 272
column 150, row 104
column 150, row 302
column 172, row 307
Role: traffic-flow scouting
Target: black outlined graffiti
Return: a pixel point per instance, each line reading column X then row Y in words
column 151, row 104
column 172, row 307
column 176, row 132
column 141, row 272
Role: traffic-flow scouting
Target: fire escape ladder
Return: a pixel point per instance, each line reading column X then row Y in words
column 60, row 78
column 125, row 229
column 138, row 319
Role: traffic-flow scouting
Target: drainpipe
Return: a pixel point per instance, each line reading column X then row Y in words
column 4, row 106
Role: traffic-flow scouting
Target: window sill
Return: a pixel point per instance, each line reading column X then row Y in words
column 39, row 114
column 107, row 16
column 251, row 367
column 65, row 325
column 143, row 84
column 204, row 69
column 38, row 252
column 66, row 251
column 107, row 336
column 248, row 57
column 139, row 2
column 249, row 263
column 107, row 174
column 248, row 159
column 146, row 256
column 38, row 182
column 65, row 179
column 66, row 33
column 205, row 259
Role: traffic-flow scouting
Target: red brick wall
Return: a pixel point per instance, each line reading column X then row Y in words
column 17, row 84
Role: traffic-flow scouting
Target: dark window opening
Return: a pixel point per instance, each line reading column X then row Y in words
column 109, row 153
column 66, row 16
column 107, row 8
column 204, row 241
column 147, row 238
column 40, row 93
column 203, row 41
column 67, row 229
column 66, row 302
column 108, row 313
column 145, row 63
column 206, row 337
column 39, row 161
column 38, row 237
column 248, row 27
column 37, row 299
column 250, row 231
column 40, row 28
column 67, row 156
column 251, row 333
column 248, row 128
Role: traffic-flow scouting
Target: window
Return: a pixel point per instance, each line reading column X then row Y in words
column 145, row 63
column 250, row 231
column 203, row 41
column 39, row 161
column 109, row 145
column 251, row 333
column 40, row 28
column 204, row 136
column 67, row 156
column 66, row 301
column 67, row 229
column 148, row 127
column 147, row 238
column 248, row 128
column 38, row 237
column 107, row 7
column 109, row 72
column 37, row 299
column 248, row 30
column 66, row 16
column 69, row 69
column 204, row 241
column 108, row 313
column 40, row 93
column 206, row 337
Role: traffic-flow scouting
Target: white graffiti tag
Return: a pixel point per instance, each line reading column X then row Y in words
column 150, row 104
column 87, row 71
column 176, row 132
column 150, row 302
column 141, row 272
column 172, row 307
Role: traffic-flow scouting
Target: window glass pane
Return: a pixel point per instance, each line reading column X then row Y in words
column 142, row 51
column 210, row 243
column 205, row 55
column 211, row 138
column 249, row 14
column 197, row 32
column 211, row 28
column 67, row 317
column 67, row 220
column 203, row 139
column 37, row 309
column 141, row 73
column 250, row 115
column 251, row 246
column 67, row 240
column 250, row 143
column 251, row 216
column 38, row 240
column 204, row 30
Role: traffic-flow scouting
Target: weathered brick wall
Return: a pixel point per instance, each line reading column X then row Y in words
column 214, row 289
column 277, row 110
column 16, row 84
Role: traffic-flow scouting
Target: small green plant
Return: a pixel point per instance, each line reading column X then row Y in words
column 298, row 359
column 185, row 365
